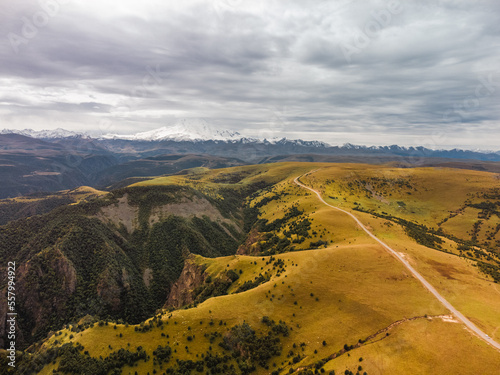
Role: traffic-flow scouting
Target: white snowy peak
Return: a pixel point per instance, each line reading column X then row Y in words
column 43, row 134
column 184, row 130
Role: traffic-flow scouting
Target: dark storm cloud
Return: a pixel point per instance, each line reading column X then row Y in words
column 340, row 71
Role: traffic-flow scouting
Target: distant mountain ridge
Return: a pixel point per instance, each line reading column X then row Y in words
column 44, row 134
column 184, row 130
column 199, row 130
column 52, row 160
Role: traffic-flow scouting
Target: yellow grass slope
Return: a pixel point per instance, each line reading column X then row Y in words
column 334, row 297
column 360, row 290
column 430, row 196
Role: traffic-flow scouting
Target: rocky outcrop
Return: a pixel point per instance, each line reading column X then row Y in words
column 251, row 244
column 44, row 286
column 193, row 275
column 120, row 214
column 124, row 214
column 187, row 207
column 90, row 259
column 111, row 286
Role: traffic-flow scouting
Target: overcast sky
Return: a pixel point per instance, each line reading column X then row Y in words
column 366, row 72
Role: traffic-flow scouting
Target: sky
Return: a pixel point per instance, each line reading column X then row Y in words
column 367, row 72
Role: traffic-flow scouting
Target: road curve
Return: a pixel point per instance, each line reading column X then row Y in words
column 418, row 276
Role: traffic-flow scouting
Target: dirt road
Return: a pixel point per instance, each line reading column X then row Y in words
column 418, row 276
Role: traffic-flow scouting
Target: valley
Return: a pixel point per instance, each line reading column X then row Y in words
column 247, row 270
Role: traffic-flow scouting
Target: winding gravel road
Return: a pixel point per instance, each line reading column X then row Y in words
column 424, row 282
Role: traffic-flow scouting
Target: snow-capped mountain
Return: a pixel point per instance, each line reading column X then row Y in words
column 44, row 134
column 286, row 141
column 199, row 130
column 184, row 130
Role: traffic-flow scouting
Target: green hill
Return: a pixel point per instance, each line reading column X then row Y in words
column 253, row 274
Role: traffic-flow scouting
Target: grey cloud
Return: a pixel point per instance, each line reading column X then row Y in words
column 252, row 65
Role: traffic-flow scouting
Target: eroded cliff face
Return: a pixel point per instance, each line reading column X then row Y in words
column 124, row 214
column 111, row 285
column 119, row 256
column 44, row 286
column 251, row 244
column 120, row 214
column 193, row 275
column 49, row 272
column 188, row 208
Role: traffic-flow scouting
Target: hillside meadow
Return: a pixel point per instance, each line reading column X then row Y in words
column 313, row 293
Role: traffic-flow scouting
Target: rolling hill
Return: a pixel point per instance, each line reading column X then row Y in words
column 251, row 273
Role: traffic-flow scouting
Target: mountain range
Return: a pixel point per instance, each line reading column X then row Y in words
column 52, row 160
column 184, row 130
column 199, row 130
